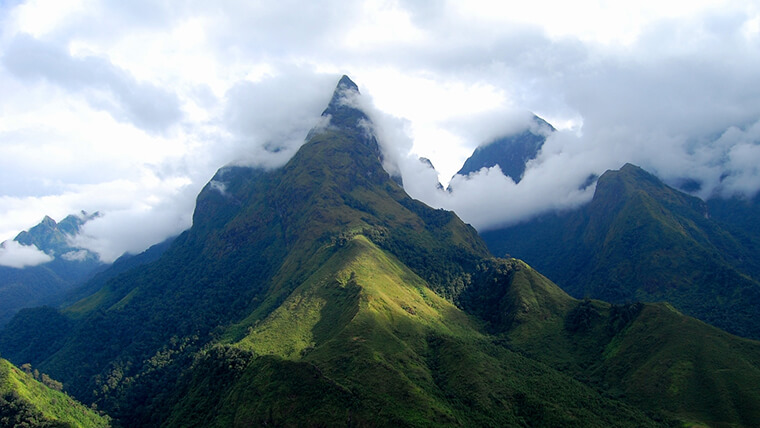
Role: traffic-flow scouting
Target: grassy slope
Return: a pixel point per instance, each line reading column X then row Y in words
column 364, row 341
column 647, row 354
column 51, row 405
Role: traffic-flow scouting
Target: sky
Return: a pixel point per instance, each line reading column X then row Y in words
column 128, row 108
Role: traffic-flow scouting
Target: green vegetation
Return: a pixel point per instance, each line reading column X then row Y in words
column 640, row 240
column 646, row 354
column 25, row 402
column 363, row 341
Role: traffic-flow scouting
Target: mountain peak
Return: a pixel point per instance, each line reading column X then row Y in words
column 630, row 168
column 347, row 83
column 343, row 110
column 48, row 221
column 510, row 152
column 630, row 177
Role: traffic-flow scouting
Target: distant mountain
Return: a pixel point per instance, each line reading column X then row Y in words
column 27, row 402
column 640, row 240
column 321, row 294
column 512, row 152
column 49, row 282
column 53, row 238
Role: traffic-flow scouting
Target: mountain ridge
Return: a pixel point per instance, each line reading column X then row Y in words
column 24, row 401
column 639, row 239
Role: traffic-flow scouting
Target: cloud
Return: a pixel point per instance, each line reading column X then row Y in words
column 677, row 99
column 557, row 180
column 76, row 255
column 134, row 229
column 104, row 85
column 128, row 108
column 15, row 255
column 268, row 120
column 155, row 213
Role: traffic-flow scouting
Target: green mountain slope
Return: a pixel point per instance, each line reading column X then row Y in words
column 364, row 341
column 26, row 402
column 741, row 218
column 646, row 354
column 640, row 240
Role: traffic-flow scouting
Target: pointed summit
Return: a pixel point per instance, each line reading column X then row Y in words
column 344, row 108
column 48, row 221
column 347, row 83
column 510, row 152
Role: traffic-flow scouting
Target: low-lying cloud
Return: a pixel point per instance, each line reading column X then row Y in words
column 561, row 176
column 558, row 178
column 268, row 120
column 15, row 255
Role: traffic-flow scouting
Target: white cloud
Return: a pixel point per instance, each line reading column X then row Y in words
column 76, row 255
column 104, row 85
column 268, row 120
column 15, row 255
column 128, row 108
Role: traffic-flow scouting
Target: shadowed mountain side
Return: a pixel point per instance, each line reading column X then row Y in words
column 511, row 153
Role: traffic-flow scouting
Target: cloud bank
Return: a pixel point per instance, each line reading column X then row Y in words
column 15, row 255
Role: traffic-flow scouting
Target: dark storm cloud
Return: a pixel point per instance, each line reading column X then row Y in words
column 104, row 85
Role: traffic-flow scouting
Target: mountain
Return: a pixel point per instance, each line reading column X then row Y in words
column 512, row 152
column 53, row 238
column 26, row 402
column 647, row 354
column 321, row 294
column 640, row 240
column 49, row 282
